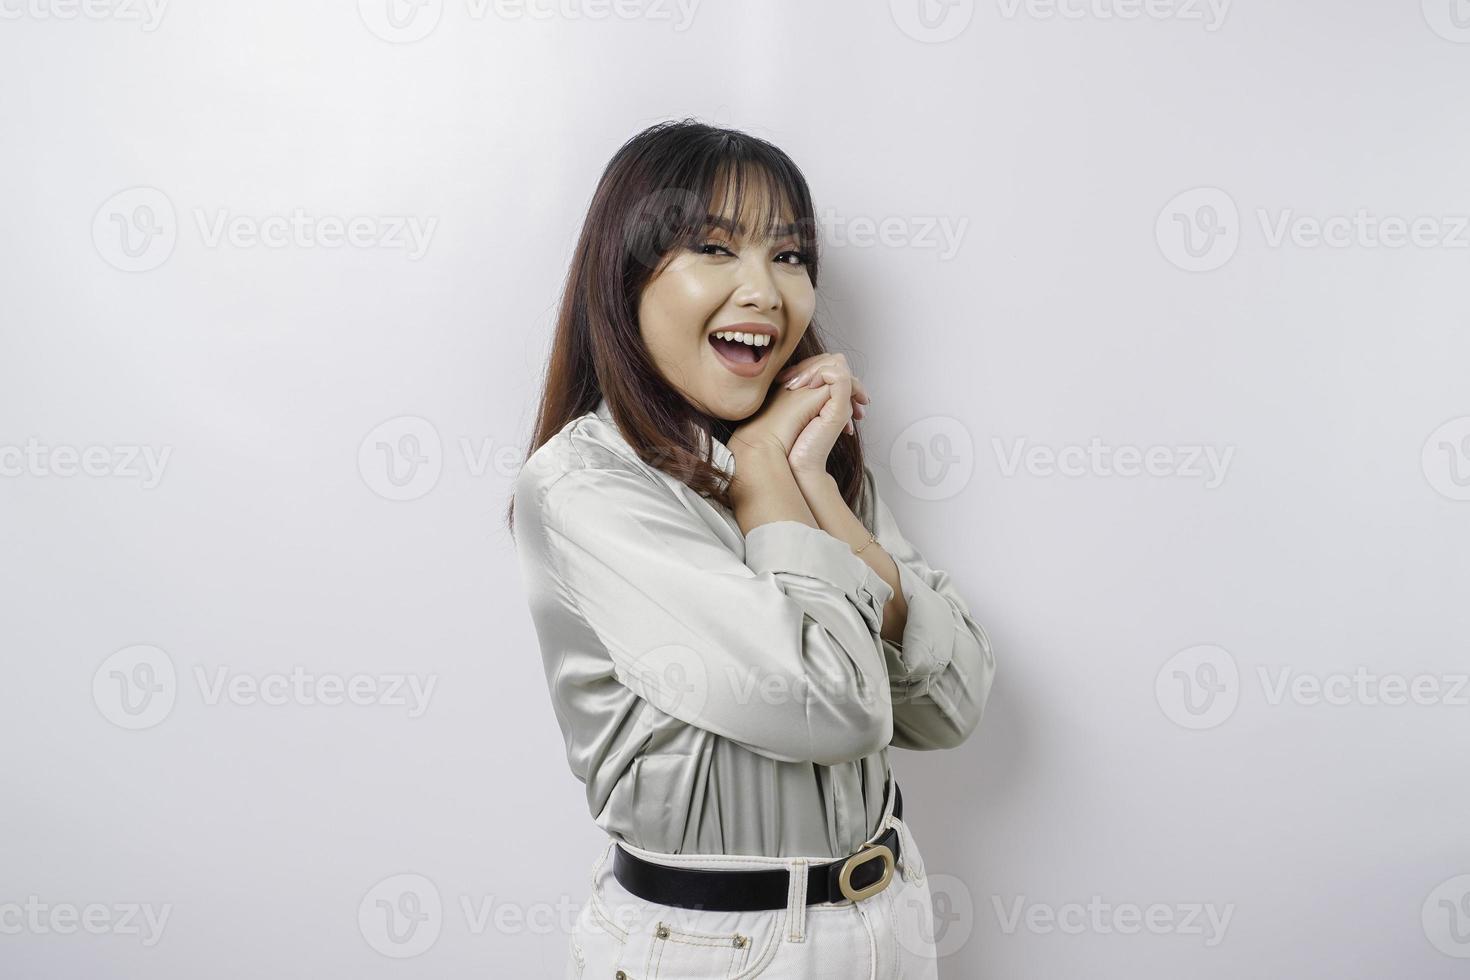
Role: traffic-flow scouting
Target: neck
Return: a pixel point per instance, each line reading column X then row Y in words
column 722, row 429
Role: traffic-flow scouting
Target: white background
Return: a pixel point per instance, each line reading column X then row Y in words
column 1056, row 142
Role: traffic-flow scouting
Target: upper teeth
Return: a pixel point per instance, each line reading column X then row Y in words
column 753, row 339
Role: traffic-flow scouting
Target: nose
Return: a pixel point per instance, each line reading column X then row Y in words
column 757, row 287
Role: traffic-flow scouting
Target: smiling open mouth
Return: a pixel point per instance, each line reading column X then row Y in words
column 739, row 351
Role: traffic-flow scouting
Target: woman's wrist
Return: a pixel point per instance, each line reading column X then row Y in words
column 755, row 467
column 764, row 489
column 824, row 497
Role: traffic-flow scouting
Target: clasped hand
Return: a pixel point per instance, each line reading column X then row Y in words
column 810, row 404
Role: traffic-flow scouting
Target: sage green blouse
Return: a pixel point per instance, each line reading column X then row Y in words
column 729, row 693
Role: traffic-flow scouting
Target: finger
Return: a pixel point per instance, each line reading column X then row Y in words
column 813, row 377
column 851, row 430
column 831, row 375
column 801, row 365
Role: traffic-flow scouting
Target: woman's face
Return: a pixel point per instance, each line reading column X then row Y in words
column 749, row 281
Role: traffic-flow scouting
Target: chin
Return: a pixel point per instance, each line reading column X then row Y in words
column 737, row 407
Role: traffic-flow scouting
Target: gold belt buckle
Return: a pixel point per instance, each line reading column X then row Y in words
column 844, row 877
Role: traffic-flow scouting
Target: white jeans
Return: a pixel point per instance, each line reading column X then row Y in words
column 887, row 936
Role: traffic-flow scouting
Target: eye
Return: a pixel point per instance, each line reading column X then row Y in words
column 801, row 258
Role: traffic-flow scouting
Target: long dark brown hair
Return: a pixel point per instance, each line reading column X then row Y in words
column 653, row 197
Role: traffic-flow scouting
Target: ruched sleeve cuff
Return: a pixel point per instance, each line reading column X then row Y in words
column 796, row 548
column 929, row 633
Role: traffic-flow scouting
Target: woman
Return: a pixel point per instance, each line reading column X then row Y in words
column 733, row 627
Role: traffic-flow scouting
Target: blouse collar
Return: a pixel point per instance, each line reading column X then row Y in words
column 721, row 455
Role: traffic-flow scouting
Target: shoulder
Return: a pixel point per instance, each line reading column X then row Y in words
column 588, row 449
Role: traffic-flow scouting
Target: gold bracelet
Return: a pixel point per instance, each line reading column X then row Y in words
column 871, row 538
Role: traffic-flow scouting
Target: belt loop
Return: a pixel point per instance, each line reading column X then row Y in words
column 796, row 900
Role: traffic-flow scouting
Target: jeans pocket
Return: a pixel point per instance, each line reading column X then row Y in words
column 598, row 946
column 681, row 953
column 600, row 933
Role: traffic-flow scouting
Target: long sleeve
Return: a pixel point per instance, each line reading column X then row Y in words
column 779, row 652
column 942, row 670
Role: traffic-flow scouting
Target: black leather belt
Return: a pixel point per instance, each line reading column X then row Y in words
column 750, row 890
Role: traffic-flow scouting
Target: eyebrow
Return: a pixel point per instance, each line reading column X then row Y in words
column 719, row 221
